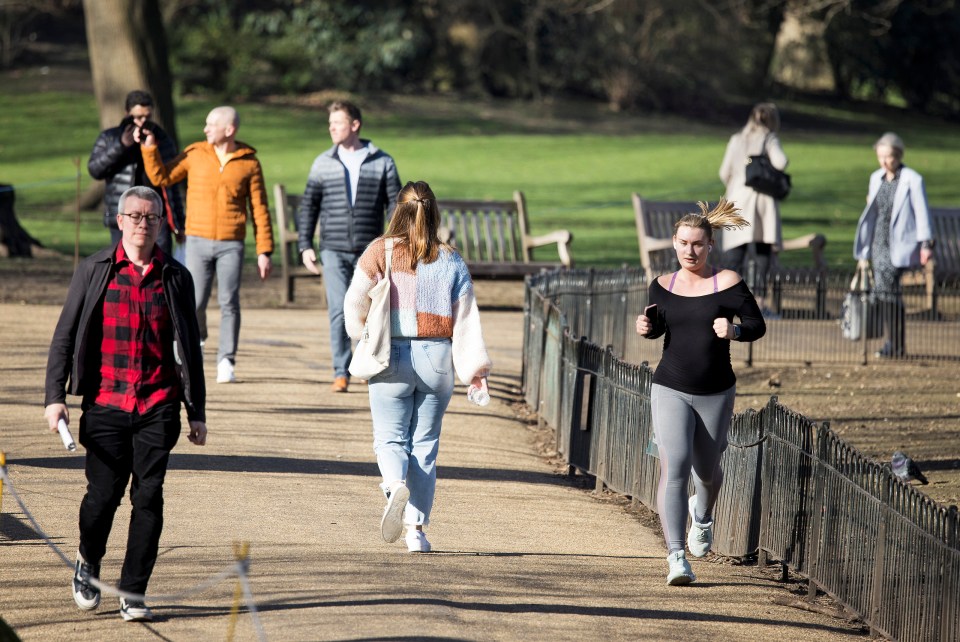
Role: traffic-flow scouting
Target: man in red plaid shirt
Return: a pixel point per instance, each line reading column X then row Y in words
column 128, row 343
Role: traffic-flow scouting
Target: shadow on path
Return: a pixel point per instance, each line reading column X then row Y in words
column 585, row 610
column 270, row 464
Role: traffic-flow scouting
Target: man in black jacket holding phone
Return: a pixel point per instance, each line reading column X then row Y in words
column 116, row 160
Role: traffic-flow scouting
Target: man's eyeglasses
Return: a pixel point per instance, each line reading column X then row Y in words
column 136, row 217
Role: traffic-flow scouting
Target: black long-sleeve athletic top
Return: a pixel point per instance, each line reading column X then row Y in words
column 695, row 360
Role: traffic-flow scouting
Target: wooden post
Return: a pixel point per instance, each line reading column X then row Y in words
column 76, row 222
column 241, row 551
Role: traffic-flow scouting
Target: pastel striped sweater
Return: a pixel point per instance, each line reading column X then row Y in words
column 434, row 300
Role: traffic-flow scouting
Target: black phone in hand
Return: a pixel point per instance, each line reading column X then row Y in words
column 651, row 312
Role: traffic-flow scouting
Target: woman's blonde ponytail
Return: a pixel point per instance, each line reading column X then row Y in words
column 724, row 215
column 416, row 222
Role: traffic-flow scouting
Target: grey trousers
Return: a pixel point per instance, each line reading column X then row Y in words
column 205, row 258
column 691, row 432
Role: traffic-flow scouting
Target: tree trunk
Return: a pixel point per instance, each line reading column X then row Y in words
column 128, row 50
column 803, row 61
column 14, row 240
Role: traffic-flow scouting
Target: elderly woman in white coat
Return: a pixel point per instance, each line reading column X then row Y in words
column 894, row 234
column 761, row 211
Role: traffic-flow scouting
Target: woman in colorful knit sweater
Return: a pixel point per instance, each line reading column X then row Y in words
column 435, row 325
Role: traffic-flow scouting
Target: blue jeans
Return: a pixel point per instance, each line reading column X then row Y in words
column 338, row 270
column 407, row 401
column 225, row 258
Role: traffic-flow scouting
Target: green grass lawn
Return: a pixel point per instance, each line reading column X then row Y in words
column 576, row 163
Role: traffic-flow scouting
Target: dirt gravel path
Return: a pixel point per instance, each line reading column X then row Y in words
column 522, row 553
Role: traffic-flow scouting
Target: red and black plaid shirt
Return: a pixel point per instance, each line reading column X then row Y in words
column 137, row 370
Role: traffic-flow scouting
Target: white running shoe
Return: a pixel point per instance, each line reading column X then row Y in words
column 391, row 526
column 225, row 372
column 417, row 541
column 700, row 537
column 680, row 571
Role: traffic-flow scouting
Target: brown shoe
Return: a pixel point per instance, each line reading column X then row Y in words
column 339, row 384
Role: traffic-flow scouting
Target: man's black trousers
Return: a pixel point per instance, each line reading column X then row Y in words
column 120, row 445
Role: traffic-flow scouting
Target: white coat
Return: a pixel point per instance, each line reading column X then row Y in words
column 760, row 210
column 909, row 221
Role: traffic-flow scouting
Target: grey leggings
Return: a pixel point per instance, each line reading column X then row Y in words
column 691, row 432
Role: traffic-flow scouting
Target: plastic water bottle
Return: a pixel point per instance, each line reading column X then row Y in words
column 478, row 396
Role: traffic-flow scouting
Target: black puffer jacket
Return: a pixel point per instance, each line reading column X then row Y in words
column 122, row 168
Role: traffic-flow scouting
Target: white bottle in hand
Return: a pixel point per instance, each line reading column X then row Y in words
column 65, row 436
column 478, row 396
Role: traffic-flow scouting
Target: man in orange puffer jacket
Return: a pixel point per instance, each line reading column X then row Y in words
column 225, row 189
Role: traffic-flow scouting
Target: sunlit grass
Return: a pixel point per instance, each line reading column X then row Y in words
column 576, row 164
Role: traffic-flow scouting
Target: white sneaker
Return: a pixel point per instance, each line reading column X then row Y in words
column 225, row 372
column 680, row 571
column 391, row 526
column 85, row 594
column 700, row 537
column 135, row 611
column 417, row 541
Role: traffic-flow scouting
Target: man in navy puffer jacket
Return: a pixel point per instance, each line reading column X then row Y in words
column 350, row 188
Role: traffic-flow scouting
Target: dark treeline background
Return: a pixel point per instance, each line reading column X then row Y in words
column 678, row 55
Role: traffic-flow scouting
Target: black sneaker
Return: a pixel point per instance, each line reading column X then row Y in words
column 85, row 594
column 135, row 611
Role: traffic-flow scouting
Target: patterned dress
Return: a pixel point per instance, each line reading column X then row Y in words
column 886, row 277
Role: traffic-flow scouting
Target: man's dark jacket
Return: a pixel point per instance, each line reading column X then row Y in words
column 75, row 349
column 346, row 228
column 121, row 168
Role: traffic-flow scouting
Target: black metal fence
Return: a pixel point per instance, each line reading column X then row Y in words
column 603, row 305
column 793, row 490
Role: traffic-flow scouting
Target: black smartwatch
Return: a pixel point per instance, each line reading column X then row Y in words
column 736, row 332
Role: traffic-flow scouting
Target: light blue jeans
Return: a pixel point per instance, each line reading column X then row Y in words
column 407, row 401
column 206, row 257
column 338, row 270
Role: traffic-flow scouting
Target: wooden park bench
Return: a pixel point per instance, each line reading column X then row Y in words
column 291, row 267
column 945, row 264
column 494, row 239
column 655, row 221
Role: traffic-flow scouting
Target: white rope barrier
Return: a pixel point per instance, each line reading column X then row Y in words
column 238, row 568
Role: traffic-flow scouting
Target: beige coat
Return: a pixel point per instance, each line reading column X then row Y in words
column 762, row 211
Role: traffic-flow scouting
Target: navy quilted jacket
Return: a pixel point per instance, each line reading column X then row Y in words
column 344, row 228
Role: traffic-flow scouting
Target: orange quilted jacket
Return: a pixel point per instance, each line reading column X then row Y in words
column 218, row 201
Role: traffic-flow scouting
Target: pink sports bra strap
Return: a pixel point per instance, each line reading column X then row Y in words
column 673, row 280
